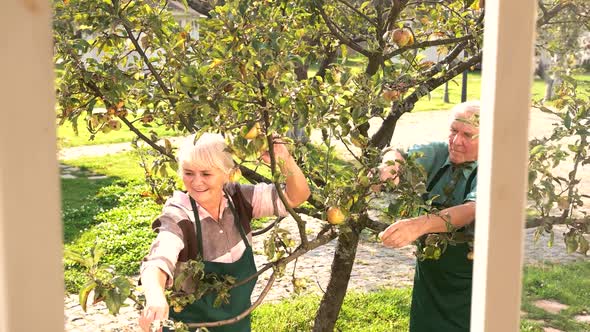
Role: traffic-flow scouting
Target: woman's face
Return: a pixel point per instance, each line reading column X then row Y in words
column 204, row 184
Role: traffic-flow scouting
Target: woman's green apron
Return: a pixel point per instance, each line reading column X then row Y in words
column 441, row 298
column 203, row 309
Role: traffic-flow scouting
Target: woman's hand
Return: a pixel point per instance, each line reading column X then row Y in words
column 156, row 309
column 280, row 150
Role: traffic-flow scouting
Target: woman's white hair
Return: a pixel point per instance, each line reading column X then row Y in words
column 208, row 151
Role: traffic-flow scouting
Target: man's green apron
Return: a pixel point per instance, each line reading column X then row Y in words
column 441, row 298
column 203, row 309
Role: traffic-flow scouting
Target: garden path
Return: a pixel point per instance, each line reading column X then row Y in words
column 375, row 265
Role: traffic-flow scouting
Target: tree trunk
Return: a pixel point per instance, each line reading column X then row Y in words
column 548, row 89
column 331, row 303
column 383, row 136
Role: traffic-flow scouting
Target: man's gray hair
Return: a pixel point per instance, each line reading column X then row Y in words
column 469, row 109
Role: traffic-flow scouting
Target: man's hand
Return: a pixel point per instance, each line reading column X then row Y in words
column 388, row 170
column 403, row 232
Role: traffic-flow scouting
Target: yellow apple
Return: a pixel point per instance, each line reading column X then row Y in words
column 391, row 95
column 235, row 175
column 253, row 132
column 335, row 216
column 147, row 118
column 402, row 37
column 114, row 124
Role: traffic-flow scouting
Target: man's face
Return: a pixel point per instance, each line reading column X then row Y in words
column 464, row 138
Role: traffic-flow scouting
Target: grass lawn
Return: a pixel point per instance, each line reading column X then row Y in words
column 387, row 309
column 67, row 137
column 567, row 284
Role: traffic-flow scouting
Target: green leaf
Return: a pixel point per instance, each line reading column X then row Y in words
column 567, row 121
column 573, row 148
column 77, row 257
column 537, row 149
column 84, row 292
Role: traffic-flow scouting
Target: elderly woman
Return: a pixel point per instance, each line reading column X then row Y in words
column 212, row 220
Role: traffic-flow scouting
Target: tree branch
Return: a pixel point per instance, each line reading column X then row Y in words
column 153, row 70
column 98, row 93
column 394, row 11
column 358, row 12
column 383, row 136
column 151, row 143
column 319, row 241
column 429, row 43
column 335, row 30
column 201, row 7
column 267, row 228
column 243, row 314
column 549, row 14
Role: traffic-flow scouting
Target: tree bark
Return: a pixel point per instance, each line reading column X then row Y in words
column 331, row 303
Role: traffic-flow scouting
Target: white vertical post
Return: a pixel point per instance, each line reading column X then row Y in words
column 31, row 282
column 503, row 155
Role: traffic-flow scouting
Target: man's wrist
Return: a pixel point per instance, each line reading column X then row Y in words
column 425, row 224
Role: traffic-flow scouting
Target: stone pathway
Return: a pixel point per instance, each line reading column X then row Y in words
column 375, row 265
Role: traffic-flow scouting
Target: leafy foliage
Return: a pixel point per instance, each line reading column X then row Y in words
column 550, row 192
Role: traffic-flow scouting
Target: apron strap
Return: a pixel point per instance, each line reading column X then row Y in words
column 237, row 220
column 235, row 215
column 198, row 224
column 437, row 177
column 469, row 182
column 439, row 174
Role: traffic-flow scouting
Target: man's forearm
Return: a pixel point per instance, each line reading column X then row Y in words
column 458, row 216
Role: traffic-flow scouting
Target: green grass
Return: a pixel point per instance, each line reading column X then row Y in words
column 124, row 165
column 388, row 309
column 382, row 311
column 121, row 227
column 79, row 205
column 567, row 284
column 435, row 101
column 67, row 137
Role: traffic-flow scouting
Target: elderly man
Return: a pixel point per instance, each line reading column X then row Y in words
column 441, row 297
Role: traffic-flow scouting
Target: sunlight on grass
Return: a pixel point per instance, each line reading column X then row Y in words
column 68, row 138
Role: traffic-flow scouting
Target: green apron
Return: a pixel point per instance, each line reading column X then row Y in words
column 441, row 297
column 203, row 309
